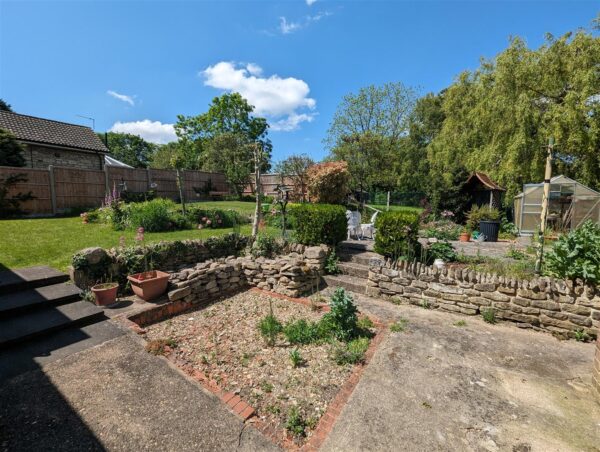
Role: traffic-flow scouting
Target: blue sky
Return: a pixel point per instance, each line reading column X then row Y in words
column 134, row 66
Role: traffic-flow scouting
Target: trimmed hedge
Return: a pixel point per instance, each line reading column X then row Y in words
column 397, row 235
column 319, row 223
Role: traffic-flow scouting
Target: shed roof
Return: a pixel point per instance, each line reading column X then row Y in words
column 485, row 180
column 47, row 131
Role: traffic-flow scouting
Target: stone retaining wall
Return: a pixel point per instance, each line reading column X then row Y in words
column 542, row 304
column 293, row 275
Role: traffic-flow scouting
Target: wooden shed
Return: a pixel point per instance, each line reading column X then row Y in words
column 483, row 191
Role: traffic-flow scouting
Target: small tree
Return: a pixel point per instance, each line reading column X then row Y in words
column 328, row 182
column 233, row 155
column 296, row 168
column 11, row 151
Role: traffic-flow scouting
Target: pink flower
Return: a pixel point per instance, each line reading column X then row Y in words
column 200, row 226
column 208, row 222
column 122, row 241
column 204, row 219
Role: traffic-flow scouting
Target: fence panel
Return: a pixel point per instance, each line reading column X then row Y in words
column 78, row 188
column 38, row 183
column 130, row 179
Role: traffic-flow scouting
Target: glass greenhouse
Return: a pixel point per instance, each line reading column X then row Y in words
column 571, row 203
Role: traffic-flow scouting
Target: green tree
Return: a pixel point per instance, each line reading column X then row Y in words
column 11, row 151
column 130, row 149
column 231, row 154
column 229, row 113
column 295, row 167
column 5, row 106
column 499, row 117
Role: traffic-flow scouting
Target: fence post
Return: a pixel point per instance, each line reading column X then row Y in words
column 148, row 180
column 52, row 189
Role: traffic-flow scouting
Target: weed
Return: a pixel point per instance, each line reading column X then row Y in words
column 399, row 326
column 269, row 328
column 296, row 357
column 273, row 409
column 425, row 304
column 160, row 346
column 351, row 353
column 396, row 300
column 342, row 316
column 489, row 315
column 87, row 295
column 295, row 423
column 426, row 405
column 365, row 323
column 266, row 386
column 581, row 336
column 331, row 264
column 460, row 323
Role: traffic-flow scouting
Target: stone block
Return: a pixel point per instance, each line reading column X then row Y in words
column 576, row 309
column 485, row 287
column 580, row 320
column 419, row 284
column 179, row 293
column 480, row 301
column 527, row 293
column 521, row 301
column 396, row 288
column 549, row 305
column 496, row 296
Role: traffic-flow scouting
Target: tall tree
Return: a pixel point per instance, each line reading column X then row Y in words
column 163, row 155
column 232, row 154
column 130, row 149
column 295, row 167
column 11, row 151
column 229, row 113
column 4, row 106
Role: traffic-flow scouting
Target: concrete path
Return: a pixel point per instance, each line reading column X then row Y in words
column 116, row 396
column 477, row 387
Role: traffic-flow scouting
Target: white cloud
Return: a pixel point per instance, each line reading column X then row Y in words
column 310, row 2
column 277, row 98
column 153, row 131
column 121, row 97
column 286, row 27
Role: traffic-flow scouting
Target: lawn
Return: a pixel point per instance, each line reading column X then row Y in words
column 52, row 241
column 383, row 207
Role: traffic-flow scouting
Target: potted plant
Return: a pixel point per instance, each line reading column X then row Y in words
column 148, row 285
column 465, row 235
column 105, row 293
column 487, row 219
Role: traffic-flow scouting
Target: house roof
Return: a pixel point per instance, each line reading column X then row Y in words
column 47, row 131
column 485, row 180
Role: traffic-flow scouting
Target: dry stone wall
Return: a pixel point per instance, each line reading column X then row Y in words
column 558, row 306
column 293, row 275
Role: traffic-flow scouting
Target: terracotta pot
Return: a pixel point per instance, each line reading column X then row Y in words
column 149, row 285
column 464, row 236
column 105, row 293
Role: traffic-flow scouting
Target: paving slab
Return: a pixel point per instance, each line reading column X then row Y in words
column 55, row 294
column 25, row 278
column 116, row 396
column 477, row 387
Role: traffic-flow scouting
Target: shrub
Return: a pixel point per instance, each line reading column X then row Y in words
column 269, row 328
column 295, row 423
column 577, row 254
column 351, row 353
column 319, row 223
column 328, row 182
column 342, row 317
column 397, row 234
column 302, row 332
column 216, row 218
column 440, row 250
column 481, row 213
column 265, row 246
column 296, row 357
column 153, row 216
column 231, row 244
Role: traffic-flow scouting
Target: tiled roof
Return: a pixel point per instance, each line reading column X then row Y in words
column 485, row 180
column 46, row 131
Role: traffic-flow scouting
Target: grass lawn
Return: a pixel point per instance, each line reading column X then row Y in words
column 245, row 208
column 383, row 207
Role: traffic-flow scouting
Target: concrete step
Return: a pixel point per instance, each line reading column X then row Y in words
column 17, row 303
column 41, row 322
column 29, row 278
column 354, row 269
column 360, row 245
column 358, row 257
column 351, row 283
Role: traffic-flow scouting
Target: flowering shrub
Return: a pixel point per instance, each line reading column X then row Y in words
column 215, row 218
column 397, row 234
column 441, row 230
column 328, row 182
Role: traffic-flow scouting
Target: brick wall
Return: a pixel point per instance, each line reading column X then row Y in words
column 41, row 157
column 557, row 306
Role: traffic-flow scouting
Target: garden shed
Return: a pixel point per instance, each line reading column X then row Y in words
column 483, row 191
column 571, row 203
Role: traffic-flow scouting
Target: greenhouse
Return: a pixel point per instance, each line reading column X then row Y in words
column 571, row 203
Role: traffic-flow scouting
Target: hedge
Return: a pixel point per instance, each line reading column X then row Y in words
column 319, row 223
column 397, row 234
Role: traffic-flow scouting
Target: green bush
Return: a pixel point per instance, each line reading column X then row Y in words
column 153, row 216
column 481, row 213
column 269, row 328
column 302, row 332
column 576, row 254
column 440, row 250
column 319, row 223
column 231, row 244
column 397, row 234
column 215, row 218
column 351, row 353
column 265, row 246
column 342, row 316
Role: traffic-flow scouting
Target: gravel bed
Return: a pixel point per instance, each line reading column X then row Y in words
column 223, row 341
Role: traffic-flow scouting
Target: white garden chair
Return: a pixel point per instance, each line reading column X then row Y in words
column 369, row 228
column 353, row 224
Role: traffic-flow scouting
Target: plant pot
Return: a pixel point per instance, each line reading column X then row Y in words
column 464, row 236
column 149, row 285
column 106, row 293
column 490, row 230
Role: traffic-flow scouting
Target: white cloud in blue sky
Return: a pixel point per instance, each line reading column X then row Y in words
column 310, row 2
column 284, row 101
column 287, row 27
column 152, row 131
column 121, row 97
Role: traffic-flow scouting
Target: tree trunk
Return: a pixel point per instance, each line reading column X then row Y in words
column 257, row 190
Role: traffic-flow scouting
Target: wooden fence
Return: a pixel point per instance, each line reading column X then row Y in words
column 58, row 189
